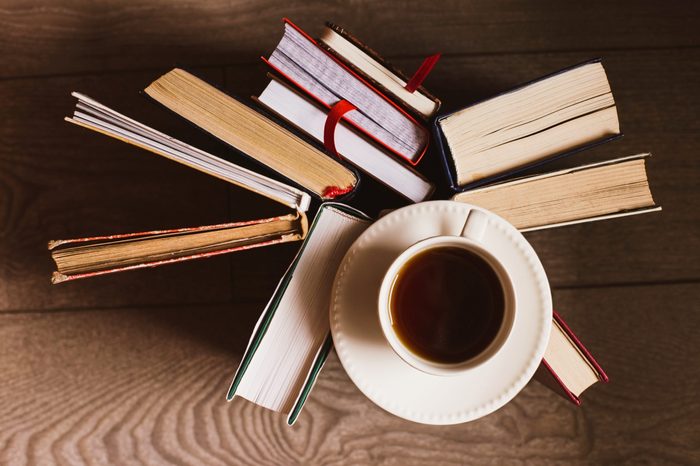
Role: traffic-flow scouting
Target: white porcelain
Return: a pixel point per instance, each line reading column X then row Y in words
column 470, row 239
column 399, row 387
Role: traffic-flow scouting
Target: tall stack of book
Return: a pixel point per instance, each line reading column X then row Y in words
column 333, row 111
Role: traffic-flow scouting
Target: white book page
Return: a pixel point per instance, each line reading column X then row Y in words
column 93, row 115
column 310, row 66
column 280, row 365
column 357, row 150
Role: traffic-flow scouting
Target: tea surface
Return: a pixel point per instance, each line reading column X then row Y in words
column 447, row 304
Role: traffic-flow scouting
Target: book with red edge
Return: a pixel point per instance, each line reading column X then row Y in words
column 568, row 367
column 98, row 255
column 308, row 117
column 412, row 159
column 400, row 79
column 269, row 141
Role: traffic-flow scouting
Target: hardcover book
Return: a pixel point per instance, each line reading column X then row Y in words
column 540, row 121
column 568, row 368
column 383, row 75
column 253, row 134
column 597, row 191
column 310, row 117
column 327, row 80
column 292, row 339
column 99, row 255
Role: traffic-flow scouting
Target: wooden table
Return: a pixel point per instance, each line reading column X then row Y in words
column 133, row 368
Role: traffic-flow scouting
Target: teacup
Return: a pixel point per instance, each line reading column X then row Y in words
column 447, row 303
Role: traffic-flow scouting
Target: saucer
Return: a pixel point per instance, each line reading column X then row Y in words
column 388, row 380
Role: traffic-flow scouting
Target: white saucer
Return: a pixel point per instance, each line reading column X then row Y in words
column 389, row 381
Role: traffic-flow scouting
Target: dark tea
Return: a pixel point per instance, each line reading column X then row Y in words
column 447, row 304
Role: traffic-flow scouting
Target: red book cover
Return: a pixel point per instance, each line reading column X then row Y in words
column 366, row 83
column 557, row 381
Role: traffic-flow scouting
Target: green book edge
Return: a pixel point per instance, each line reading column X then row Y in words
column 270, row 311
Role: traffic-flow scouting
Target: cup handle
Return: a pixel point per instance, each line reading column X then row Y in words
column 475, row 225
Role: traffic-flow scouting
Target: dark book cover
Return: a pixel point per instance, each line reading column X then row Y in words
column 445, row 154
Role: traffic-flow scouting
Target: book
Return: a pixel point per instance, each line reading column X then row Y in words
column 310, row 118
column 375, row 69
column 547, row 118
column 252, row 133
column 99, row 255
column 93, row 115
column 292, row 339
column 597, row 191
column 329, row 81
column 568, row 368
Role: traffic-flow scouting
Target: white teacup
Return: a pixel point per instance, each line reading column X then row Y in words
column 471, row 240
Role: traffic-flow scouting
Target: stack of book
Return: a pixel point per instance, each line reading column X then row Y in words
column 332, row 112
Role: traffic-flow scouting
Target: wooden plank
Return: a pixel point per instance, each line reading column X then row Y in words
column 43, row 37
column 147, row 386
column 61, row 181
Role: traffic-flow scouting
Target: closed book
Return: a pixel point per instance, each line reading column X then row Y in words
column 100, row 118
column 254, row 134
column 99, row 255
column 383, row 75
column 592, row 192
column 568, row 367
column 310, row 118
column 329, row 81
column 292, row 339
column 551, row 117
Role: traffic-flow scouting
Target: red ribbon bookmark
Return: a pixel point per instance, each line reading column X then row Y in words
column 422, row 72
column 334, row 116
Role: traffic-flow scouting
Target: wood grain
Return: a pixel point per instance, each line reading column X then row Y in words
column 146, row 386
column 132, row 368
column 46, row 37
column 61, row 181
